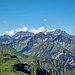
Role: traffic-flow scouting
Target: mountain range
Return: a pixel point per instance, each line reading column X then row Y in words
column 56, row 44
column 51, row 52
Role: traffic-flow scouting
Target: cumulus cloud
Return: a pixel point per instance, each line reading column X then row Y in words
column 18, row 30
column 35, row 31
column 10, row 33
column 41, row 29
column 24, row 29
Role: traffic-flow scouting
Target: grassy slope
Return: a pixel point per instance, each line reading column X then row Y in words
column 6, row 65
column 7, row 49
column 52, row 66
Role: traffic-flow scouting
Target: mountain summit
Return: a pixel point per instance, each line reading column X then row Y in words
column 56, row 44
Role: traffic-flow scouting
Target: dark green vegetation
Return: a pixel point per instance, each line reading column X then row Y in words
column 33, row 66
column 7, row 64
column 18, row 64
column 5, row 48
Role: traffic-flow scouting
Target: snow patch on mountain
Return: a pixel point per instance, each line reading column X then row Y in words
column 49, row 31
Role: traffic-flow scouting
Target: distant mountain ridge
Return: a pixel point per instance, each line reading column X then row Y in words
column 20, row 34
column 60, row 32
column 56, row 44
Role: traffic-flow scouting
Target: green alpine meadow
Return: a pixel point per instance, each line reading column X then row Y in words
column 15, row 63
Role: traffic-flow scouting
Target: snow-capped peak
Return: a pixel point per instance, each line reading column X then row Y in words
column 47, row 31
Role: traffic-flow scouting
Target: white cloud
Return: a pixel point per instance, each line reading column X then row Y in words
column 22, row 29
column 45, row 19
column 10, row 33
column 25, row 29
column 35, row 31
column 41, row 29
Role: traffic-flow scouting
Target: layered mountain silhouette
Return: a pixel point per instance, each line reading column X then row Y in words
column 56, row 44
column 45, row 53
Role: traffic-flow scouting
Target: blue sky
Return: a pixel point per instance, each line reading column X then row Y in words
column 51, row 14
